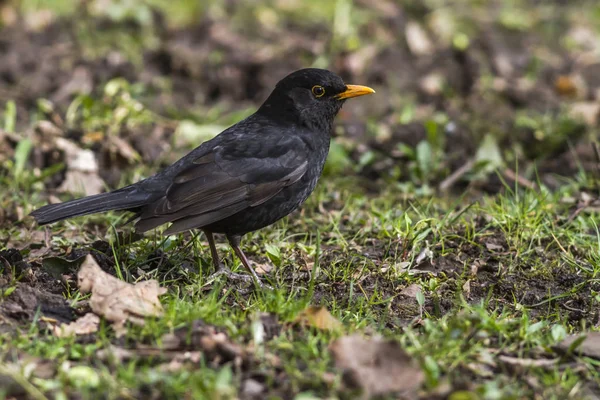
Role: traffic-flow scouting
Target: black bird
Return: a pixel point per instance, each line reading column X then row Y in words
column 247, row 177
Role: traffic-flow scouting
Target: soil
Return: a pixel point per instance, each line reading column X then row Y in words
column 214, row 62
column 53, row 64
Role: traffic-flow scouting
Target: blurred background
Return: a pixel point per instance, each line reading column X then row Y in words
column 471, row 94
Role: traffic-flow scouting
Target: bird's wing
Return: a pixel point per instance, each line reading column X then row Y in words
column 227, row 179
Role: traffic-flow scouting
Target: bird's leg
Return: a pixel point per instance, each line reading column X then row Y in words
column 220, row 268
column 213, row 250
column 234, row 242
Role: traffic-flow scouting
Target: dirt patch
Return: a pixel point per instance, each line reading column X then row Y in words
column 214, row 61
column 535, row 93
column 26, row 302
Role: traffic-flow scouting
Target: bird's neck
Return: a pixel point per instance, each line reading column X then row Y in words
column 279, row 108
column 282, row 109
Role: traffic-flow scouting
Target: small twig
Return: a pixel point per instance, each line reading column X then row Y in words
column 528, row 362
column 572, row 308
column 456, row 175
column 510, row 174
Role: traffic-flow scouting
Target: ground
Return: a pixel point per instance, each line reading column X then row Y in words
column 452, row 238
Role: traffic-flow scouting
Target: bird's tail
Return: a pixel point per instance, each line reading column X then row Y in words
column 122, row 199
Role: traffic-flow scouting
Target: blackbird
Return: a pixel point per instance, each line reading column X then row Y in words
column 247, row 177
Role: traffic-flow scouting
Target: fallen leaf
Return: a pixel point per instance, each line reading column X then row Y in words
column 76, row 157
column 252, row 389
column 585, row 345
column 180, row 359
column 587, row 111
column 425, row 254
column 417, row 39
column 477, row 264
column 92, row 137
column 119, row 301
column 411, row 291
column 262, row 269
column 493, row 247
column 467, row 288
column 377, row 366
column 318, row 317
column 82, row 326
column 82, row 169
column 565, row 86
column 122, row 147
column 432, row 84
column 188, row 344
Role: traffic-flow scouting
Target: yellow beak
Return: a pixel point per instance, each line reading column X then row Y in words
column 354, row 91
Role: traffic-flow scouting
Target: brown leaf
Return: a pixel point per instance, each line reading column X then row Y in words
column 252, row 389
column 587, row 111
column 92, row 137
column 119, row 301
column 184, row 346
column 376, row 366
column 477, row 264
column 589, row 346
column 82, row 169
column 318, row 317
column 83, row 326
column 467, row 289
column 122, row 147
column 493, row 246
column 411, row 291
column 417, row 39
column 565, row 86
column 262, row 269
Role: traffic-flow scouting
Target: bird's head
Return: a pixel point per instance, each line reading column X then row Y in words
column 312, row 97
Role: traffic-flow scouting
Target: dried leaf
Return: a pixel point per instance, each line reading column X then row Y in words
column 252, row 389
column 467, row 288
column 586, row 345
column 565, row 86
column 493, row 247
column 82, row 169
column 318, row 317
column 417, row 39
column 411, row 291
column 188, row 344
column 82, row 182
column 262, row 269
column 587, row 111
column 376, row 366
column 119, row 301
column 432, row 84
column 83, row 326
column 122, row 147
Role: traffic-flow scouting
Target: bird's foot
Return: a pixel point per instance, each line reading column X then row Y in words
column 223, row 270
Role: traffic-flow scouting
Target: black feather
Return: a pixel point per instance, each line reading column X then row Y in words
column 249, row 176
column 122, row 199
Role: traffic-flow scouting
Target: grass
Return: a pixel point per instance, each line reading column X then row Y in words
column 364, row 257
column 466, row 282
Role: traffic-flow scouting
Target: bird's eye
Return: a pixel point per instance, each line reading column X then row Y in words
column 318, row 91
